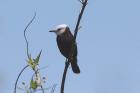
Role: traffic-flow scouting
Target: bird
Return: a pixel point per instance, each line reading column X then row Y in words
column 65, row 43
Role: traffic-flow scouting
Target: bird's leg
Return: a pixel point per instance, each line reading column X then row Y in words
column 67, row 62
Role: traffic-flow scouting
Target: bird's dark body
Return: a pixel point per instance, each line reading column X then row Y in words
column 65, row 44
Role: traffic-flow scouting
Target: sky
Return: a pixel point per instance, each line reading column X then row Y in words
column 108, row 44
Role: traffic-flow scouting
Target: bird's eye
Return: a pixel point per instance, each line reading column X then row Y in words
column 59, row 29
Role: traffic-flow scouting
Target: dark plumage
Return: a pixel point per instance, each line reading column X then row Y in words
column 65, row 42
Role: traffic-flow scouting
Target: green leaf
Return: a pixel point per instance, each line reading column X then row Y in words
column 33, row 84
column 36, row 61
column 31, row 63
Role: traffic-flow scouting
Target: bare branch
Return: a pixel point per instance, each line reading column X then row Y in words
column 84, row 3
column 64, row 75
column 25, row 30
column 27, row 52
column 19, row 76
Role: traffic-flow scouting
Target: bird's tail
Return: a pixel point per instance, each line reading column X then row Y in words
column 74, row 65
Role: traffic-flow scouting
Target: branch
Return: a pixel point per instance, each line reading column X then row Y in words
column 27, row 47
column 64, row 75
column 42, row 89
column 84, row 3
column 25, row 30
column 53, row 88
column 19, row 76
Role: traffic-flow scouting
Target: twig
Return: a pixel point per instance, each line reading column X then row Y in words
column 53, row 88
column 27, row 48
column 19, row 76
column 84, row 3
column 42, row 89
column 48, row 88
column 27, row 44
column 25, row 30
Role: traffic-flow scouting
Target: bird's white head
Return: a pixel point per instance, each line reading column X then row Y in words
column 60, row 29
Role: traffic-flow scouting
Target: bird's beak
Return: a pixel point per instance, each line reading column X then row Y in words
column 52, row 31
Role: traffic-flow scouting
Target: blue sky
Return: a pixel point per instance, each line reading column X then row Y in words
column 108, row 44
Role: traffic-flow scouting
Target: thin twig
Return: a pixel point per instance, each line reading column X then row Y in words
column 53, row 88
column 84, row 3
column 47, row 88
column 42, row 89
column 27, row 47
column 27, row 44
column 80, row 1
column 19, row 76
column 25, row 30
